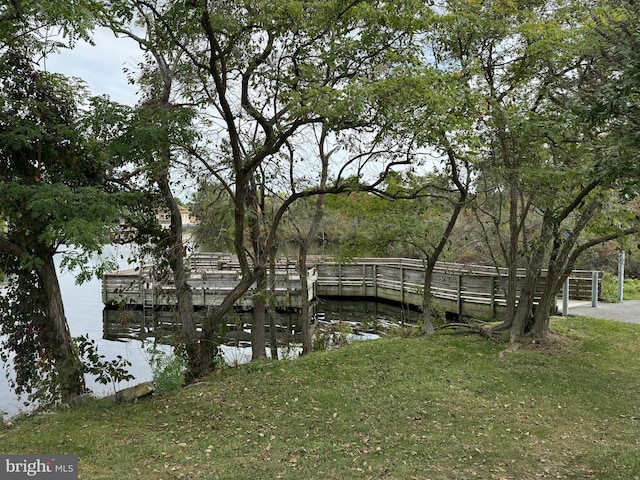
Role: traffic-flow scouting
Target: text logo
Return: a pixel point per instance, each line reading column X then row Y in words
column 50, row 467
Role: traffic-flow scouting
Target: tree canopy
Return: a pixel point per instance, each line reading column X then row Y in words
column 523, row 113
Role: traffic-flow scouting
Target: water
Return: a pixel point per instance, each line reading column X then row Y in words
column 84, row 310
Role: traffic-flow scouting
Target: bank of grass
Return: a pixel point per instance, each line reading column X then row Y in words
column 453, row 406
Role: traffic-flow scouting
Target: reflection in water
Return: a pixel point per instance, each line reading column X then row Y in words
column 360, row 317
column 363, row 316
column 164, row 326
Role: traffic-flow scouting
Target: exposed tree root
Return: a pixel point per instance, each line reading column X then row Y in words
column 501, row 327
column 479, row 329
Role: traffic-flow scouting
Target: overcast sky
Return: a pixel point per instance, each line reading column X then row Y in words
column 100, row 66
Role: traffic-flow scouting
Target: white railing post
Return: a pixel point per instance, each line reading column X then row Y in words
column 594, row 289
column 621, row 276
column 565, row 298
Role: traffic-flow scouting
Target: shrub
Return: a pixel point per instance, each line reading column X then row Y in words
column 167, row 369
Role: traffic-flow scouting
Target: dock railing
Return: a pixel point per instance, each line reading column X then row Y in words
column 474, row 290
column 471, row 290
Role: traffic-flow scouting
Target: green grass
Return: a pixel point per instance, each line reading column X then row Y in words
column 452, row 406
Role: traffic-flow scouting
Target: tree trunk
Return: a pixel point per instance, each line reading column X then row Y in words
column 304, row 245
column 58, row 338
column 512, row 254
column 426, row 299
column 540, row 327
column 271, row 310
column 305, row 318
column 523, row 317
column 559, row 267
column 215, row 316
column 258, row 344
column 176, row 256
column 255, row 210
column 553, row 285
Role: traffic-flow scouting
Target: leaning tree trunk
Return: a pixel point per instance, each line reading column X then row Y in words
column 184, row 298
column 462, row 188
column 58, row 338
column 208, row 342
column 561, row 262
column 432, row 259
column 215, row 316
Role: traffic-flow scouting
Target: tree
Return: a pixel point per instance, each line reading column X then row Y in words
column 155, row 133
column 263, row 74
column 414, row 218
column 52, row 182
column 304, row 239
column 546, row 176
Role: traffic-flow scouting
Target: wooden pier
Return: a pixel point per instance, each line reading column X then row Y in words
column 211, row 278
column 468, row 290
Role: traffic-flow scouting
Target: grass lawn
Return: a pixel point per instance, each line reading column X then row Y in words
column 452, row 406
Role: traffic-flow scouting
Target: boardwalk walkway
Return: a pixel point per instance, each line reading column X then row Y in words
column 468, row 290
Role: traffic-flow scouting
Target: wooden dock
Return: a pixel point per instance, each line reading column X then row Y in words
column 467, row 290
column 211, row 278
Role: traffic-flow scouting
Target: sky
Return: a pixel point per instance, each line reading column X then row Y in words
column 100, row 66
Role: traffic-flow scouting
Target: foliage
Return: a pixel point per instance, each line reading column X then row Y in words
column 393, row 227
column 21, row 326
column 55, row 183
column 167, row 369
column 29, row 23
column 630, row 290
column 105, row 371
column 610, row 101
column 443, row 407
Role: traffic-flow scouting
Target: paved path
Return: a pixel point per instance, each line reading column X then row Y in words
column 627, row 311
